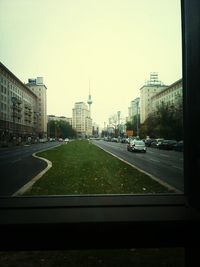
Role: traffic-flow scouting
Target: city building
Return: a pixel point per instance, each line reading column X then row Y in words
column 81, row 120
column 95, row 130
column 169, row 96
column 59, row 118
column 151, row 88
column 39, row 89
column 18, row 108
column 134, row 109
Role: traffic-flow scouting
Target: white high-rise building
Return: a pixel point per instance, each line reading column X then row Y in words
column 134, row 108
column 81, row 120
column 39, row 89
column 170, row 96
column 151, row 88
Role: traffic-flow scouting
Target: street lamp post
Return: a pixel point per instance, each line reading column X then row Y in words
column 55, row 124
column 137, row 119
column 14, row 102
column 37, row 126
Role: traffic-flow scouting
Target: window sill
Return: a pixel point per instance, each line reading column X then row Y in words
column 117, row 221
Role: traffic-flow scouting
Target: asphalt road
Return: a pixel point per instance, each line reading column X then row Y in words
column 167, row 165
column 18, row 166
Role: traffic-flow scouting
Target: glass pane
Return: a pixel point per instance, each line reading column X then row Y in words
column 83, row 81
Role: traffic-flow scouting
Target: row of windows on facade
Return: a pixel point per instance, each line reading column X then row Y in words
column 7, row 96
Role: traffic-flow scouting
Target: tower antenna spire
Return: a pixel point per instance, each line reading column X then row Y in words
column 89, row 99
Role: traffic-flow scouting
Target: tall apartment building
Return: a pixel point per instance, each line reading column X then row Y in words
column 169, row 96
column 81, row 120
column 18, row 104
column 39, row 89
column 151, row 88
column 134, row 108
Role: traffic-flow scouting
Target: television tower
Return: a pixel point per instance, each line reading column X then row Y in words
column 89, row 100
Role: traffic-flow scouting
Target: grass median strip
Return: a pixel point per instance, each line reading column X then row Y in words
column 82, row 168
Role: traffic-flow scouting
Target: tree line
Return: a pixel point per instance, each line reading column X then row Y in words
column 166, row 122
column 60, row 129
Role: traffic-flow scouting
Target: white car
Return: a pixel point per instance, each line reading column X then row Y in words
column 137, row 145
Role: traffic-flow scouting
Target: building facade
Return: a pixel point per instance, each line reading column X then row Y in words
column 169, row 96
column 81, row 120
column 150, row 89
column 59, row 118
column 18, row 107
column 39, row 89
column 134, row 108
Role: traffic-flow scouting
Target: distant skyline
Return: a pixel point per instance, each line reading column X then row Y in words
column 112, row 44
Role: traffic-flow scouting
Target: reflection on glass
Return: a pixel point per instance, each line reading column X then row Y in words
column 79, row 82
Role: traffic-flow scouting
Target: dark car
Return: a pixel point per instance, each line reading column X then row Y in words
column 156, row 142
column 149, row 141
column 179, row 146
column 167, row 144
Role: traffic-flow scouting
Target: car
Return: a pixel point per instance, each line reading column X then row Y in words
column 167, row 144
column 156, row 142
column 149, row 141
column 179, row 146
column 137, row 145
column 114, row 139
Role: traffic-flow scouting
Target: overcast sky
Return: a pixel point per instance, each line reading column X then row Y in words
column 113, row 43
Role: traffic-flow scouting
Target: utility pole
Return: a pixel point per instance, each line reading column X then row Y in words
column 137, row 119
column 14, row 101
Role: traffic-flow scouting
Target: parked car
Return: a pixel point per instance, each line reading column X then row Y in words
column 167, row 144
column 136, row 145
column 123, row 140
column 179, row 146
column 149, row 141
column 114, row 139
column 157, row 142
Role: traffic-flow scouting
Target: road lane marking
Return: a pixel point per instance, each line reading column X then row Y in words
column 177, row 167
column 167, row 156
column 16, row 160
column 151, row 152
column 154, row 160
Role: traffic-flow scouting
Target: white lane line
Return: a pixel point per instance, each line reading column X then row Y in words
column 16, row 160
column 154, row 160
column 167, row 156
column 177, row 167
column 151, row 152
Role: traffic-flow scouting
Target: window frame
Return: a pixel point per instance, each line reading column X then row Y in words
column 120, row 221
